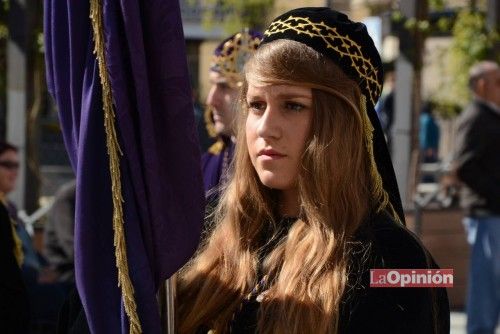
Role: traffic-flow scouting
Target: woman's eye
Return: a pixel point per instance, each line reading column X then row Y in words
column 294, row 106
column 256, row 106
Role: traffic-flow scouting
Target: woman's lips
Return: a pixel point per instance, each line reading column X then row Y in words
column 270, row 154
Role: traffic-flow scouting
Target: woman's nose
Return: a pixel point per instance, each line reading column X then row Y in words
column 270, row 124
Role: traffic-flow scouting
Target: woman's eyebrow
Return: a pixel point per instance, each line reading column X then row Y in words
column 288, row 95
column 253, row 97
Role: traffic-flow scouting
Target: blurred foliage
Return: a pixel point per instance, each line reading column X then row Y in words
column 472, row 42
column 437, row 4
column 446, row 109
column 379, row 7
column 4, row 34
column 34, row 55
column 237, row 14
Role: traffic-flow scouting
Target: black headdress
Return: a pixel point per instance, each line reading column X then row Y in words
column 349, row 46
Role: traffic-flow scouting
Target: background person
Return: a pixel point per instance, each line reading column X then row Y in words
column 385, row 107
column 59, row 231
column 429, row 134
column 45, row 298
column 9, row 170
column 225, row 79
column 14, row 305
column 478, row 168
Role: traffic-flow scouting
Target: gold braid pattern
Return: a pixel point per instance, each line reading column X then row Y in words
column 342, row 45
column 233, row 56
column 114, row 153
column 378, row 191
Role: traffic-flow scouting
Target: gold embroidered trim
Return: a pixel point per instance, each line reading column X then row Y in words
column 342, row 45
column 114, row 153
column 216, row 147
column 233, row 56
column 18, row 245
column 378, row 191
column 209, row 122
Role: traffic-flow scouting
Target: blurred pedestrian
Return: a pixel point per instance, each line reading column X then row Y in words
column 14, row 307
column 59, row 234
column 225, row 79
column 45, row 298
column 9, row 170
column 478, row 168
column 429, row 134
column 385, row 107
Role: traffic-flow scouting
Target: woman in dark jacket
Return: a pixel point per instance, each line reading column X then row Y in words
column 14, row 309
column 313, row 203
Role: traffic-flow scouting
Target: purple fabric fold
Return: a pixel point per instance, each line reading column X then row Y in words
column 161, row 175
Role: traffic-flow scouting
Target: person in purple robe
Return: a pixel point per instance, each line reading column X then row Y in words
column 225, row 79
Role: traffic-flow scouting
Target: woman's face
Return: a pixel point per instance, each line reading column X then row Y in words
column 277, row 127
column 9, row 165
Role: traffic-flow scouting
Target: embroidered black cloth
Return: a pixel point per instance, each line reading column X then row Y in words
column 379, row 310
column 332, row 34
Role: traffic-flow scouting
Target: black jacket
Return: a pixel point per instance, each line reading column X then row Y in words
column 14, row 308
column 478, row 158
column 379, row 310
column 393, row 310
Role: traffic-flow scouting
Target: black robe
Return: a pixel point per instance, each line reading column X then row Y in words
column 380, row 310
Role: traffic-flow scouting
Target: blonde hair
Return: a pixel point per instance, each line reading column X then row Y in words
column 308, row 268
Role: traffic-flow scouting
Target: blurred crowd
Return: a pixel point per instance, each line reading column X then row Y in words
column 47, row 274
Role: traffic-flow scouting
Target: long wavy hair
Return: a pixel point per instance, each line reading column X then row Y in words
column 309, row 267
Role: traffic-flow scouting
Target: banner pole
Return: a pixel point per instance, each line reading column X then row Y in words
column 170, row 304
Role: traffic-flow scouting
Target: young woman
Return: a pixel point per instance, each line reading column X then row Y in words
column 313, row 202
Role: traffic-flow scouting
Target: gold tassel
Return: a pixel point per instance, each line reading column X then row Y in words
column 114, row 153
column 378, row 191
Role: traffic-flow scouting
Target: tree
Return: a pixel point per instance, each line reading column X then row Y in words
column 236, row 14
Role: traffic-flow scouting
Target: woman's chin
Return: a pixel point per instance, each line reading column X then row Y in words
column 274, row 182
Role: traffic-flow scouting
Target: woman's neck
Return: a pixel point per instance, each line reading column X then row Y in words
column 289, row 203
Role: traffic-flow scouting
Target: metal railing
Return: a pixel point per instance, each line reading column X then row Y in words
column 436, row 193
column 30, row 220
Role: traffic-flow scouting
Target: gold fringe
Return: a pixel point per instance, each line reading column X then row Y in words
column 114, row 153
column 378, row 191
column 18, row 245
column 209, row 122
column 216, row 147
